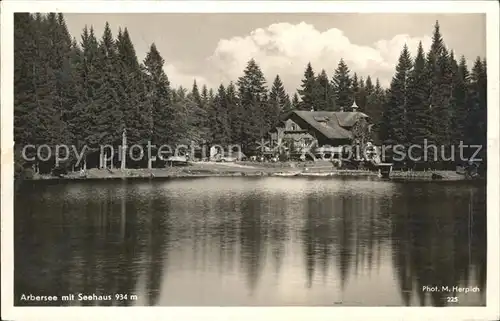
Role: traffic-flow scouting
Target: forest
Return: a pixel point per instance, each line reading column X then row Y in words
column 86, row 91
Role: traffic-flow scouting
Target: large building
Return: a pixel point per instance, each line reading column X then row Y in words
column 327, row 131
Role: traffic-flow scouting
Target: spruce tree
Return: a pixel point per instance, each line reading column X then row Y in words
column 109, row 120
column 295, row 102
column 433, row 79
column 236, row 114
column 159, row 98
column 341, row 84
column 219, row 118
column 252, row 95
column 326, row 100
column 309, row 91
column 355, row 87
column 441, row 108
column 204, row 95
column 25, row 63
column 137, row 113
column 199, row 116
column 279, row 102
column 196, row 94
column 418, row 113
column 361, row 96
column 369, row 86
column 394, row 124
column 460, row 102
column 476, row 127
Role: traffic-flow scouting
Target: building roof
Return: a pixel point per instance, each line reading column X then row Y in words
column 333, row 125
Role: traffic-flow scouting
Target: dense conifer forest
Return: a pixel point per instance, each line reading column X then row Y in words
column 86, row 91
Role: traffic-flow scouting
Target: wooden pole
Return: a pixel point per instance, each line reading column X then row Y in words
column 124, row 148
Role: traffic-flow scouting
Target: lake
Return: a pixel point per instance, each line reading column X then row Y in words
column 264, row 241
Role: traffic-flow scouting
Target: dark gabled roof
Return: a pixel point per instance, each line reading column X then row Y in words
column 333, row 125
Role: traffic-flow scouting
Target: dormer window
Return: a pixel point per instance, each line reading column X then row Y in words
column 321, row 119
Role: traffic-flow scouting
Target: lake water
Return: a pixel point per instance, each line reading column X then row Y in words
column 251, row 242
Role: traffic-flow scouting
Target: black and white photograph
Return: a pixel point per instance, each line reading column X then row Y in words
column 183, row 157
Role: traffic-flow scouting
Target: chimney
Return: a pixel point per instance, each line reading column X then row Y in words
column 354, row 106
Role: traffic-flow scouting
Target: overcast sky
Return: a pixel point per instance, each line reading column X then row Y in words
column 214, row 48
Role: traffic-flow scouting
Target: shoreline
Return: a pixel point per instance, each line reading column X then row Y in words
column 204, row 170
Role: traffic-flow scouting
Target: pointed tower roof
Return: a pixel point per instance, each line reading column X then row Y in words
column 354, row 106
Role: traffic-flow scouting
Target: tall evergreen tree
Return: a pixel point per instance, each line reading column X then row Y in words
column 441, row 108
column 295, row 102
column 394, row 124
column 199, row 114
column 369, row 86
column 137, row 113
column 309, row 91
column 279, row 102
column 361, row 96
column 476, row 128
column 109, row 121
column 460, row 102
column 196, row 94
column 433, row 79
column 326, row 99
column 375, row 101
column 341, row 83
column 159, row 98
column 236, row 114
column 418, row 113
column 253, row 101
column 219, row 118
column 26, row 106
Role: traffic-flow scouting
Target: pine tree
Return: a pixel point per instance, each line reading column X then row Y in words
column 198, row 115
column 108, row 118
column 394, row 124
column 90, row 73
column 309, row 92
column 219, row 118
column 137, row 113
column 418, row 113
column 355, row 88
column 47, row 96
column 25, row 63
column 361, row 96
column 369, row 86
column 279, row 102
column 476, row 127
column 376, row 102
column 295, row 102
column 441, row 108
column 341, row 83
column 433, row 79
column 159, row 98
column 253, row 100
column 236, row 114
column 326, row 100
column 196, row 94
column 460, row 102
column 204, row 95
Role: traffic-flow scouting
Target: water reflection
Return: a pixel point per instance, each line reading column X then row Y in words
column 265, row 241
column 439, row 243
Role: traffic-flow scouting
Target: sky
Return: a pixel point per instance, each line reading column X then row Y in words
column 214, row 48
